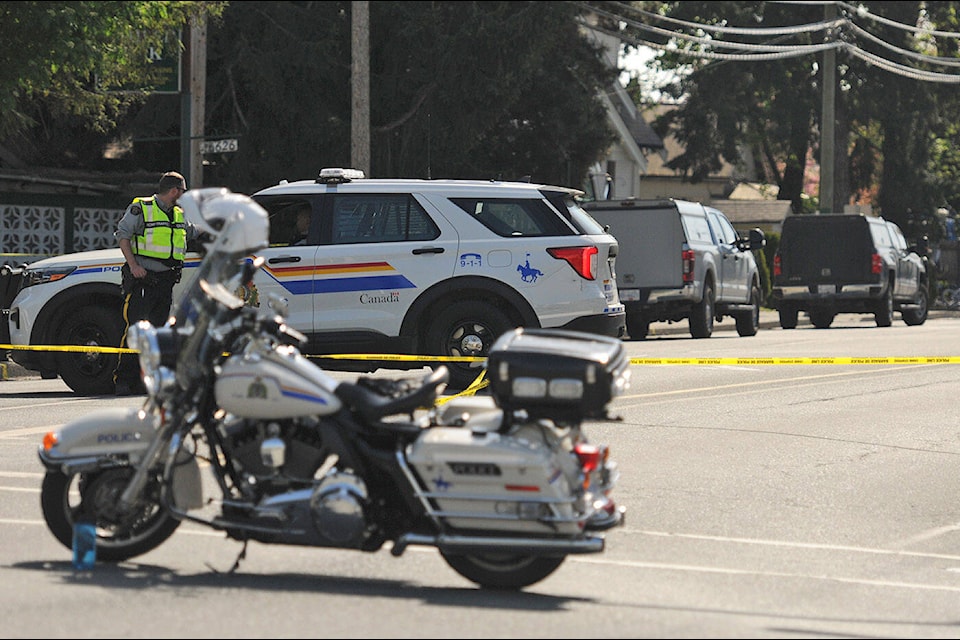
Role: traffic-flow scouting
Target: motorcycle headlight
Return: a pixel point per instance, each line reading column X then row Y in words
column 142, row 337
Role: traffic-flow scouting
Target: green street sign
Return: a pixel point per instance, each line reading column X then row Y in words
column 165, row 67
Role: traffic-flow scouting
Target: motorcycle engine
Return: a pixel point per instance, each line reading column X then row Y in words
column 277, row 454
column 283, row 466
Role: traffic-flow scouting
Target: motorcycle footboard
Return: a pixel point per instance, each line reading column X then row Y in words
column 457, row 544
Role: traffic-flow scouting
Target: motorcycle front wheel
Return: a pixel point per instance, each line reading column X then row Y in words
column 503, row 570
column 120, row 534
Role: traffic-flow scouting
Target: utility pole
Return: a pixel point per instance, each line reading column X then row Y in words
column 192, row 98
column 198, row 84
column 828, row 117
column 360, row 78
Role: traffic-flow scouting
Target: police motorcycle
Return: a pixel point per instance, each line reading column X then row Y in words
column 241, row 433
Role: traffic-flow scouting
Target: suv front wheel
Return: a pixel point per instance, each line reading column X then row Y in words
column 466, row 329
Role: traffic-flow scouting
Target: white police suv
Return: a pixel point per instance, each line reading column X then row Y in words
column 390, row 267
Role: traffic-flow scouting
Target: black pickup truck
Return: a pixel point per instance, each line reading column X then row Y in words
column 847, row 263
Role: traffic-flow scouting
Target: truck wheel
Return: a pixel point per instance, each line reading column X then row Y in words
column 466, row 328
column 915, row 317
column 788, row 317
column 884, row 312
column 749, row 323
column 701, row 315
column 89, row 373
column 822, row 319
column 637, row 325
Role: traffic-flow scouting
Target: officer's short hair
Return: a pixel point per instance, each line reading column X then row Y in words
column 171, row 180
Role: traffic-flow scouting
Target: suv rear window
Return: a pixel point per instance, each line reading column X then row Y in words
column 514, row 217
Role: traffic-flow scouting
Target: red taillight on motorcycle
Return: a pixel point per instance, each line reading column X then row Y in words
column 582, row 259
column 590, row 456
column 688, row 257
column 50, row 440
column 777, row 265
column 876, row 264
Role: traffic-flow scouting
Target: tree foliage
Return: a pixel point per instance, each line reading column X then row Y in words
column 58, row 61
column 892, row 131
column 457, row 90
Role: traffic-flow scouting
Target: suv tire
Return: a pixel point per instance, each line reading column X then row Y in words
column 466, row 328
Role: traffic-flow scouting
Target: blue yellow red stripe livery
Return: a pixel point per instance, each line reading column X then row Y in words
column 339, row 278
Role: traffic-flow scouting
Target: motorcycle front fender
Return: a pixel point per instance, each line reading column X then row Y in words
column 104, row 438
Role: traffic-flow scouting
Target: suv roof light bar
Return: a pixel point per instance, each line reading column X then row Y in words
column 337, row 175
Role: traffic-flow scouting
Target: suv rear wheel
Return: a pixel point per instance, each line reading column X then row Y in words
column 469, row 329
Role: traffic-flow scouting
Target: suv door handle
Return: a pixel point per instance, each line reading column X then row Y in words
column 418, row 252
column 282, row 259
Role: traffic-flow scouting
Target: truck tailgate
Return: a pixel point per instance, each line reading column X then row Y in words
column 834, row 250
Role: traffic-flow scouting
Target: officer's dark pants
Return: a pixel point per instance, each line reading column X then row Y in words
column 148, row 298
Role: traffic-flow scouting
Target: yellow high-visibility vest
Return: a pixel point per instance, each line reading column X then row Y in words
column 162, row 237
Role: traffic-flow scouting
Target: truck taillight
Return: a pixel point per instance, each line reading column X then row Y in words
column 876, row 264
column 688, row 257
column 777, row 265
column 582, row 259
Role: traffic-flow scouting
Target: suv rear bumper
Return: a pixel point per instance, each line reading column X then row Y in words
column 605, row 324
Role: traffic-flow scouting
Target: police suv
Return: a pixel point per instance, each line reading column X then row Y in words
column 389, row 267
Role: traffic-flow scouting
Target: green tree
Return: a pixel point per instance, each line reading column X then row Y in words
column 887, row 124
column 58, row 61
column 457, row 90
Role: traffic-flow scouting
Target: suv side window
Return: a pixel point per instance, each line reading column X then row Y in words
column 379, row 218
column 514, row 217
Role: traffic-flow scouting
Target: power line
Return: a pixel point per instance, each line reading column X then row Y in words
column 709, row 46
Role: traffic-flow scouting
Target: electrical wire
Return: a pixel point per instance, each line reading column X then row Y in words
column 773, row 52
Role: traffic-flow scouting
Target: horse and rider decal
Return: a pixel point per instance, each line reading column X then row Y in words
column 528, row 273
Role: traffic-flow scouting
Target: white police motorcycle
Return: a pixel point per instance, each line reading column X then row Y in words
column 240, row 432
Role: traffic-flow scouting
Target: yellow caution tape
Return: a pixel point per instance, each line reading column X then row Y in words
column 639, row 361
column 783, row 361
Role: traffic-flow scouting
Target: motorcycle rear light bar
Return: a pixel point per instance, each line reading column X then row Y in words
column 558, row 388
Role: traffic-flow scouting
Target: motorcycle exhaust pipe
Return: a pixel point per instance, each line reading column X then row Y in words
column 477, row 544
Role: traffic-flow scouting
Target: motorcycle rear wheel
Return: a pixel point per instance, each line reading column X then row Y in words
column 503, row 570
column 120, row 536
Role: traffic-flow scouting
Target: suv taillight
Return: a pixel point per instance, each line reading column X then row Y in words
column 777, row 265
column 688, row 257
column 582, row 259
column 876, row 264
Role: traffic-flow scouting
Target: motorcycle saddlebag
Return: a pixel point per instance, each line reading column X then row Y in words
column 555, row 373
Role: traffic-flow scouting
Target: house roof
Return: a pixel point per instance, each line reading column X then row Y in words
column 753, row 211
column 642, row 133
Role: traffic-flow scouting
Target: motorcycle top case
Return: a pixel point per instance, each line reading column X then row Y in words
column 557, row 374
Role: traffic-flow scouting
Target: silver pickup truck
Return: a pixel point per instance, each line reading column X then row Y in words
column 682, row 260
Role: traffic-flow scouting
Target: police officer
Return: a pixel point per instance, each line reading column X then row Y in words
column 153, row 237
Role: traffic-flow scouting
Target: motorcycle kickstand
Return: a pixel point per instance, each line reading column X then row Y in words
column 236, row 563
